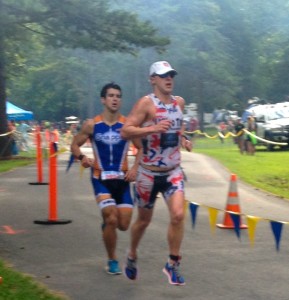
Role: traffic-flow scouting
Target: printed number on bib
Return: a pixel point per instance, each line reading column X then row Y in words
column 108, row 175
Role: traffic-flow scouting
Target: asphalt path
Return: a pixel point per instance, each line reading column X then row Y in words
column 70, row 258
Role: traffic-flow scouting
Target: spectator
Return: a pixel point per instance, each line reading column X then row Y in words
column 24, row 128
column 13, row 137
column 222, row 127
column 240, row 138
column 251, row 141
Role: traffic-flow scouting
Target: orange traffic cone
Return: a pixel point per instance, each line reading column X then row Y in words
column 232, row 205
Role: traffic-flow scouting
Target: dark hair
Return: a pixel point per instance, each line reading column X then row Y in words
column 110, row 85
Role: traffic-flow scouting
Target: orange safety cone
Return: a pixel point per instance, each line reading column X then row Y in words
column 232, row 205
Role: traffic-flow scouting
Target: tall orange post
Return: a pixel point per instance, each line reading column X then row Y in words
column 39, row 159
column 53, row 183
column 52, row 214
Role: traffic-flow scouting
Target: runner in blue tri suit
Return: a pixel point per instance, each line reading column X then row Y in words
column 110, row 174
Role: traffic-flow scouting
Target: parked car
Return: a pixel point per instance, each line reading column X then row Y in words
column 272, row 123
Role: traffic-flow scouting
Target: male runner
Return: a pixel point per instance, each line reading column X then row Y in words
column 110, row 175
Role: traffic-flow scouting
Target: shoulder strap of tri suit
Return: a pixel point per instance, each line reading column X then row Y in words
column 153, row 98
column 121, row 118
column 97, row 119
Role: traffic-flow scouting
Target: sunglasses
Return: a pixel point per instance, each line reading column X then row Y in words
column 166, row 75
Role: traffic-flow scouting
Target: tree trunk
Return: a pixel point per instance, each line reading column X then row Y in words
column 5, row 148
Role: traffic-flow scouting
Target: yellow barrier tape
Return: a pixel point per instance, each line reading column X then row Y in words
column 7, row 133
column 228, row 134
column 61, row 150
column 263, row 140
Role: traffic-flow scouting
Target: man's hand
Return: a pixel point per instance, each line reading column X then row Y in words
column 187, row 144
column 87, row 162
column 131, row 174
column 162, row 126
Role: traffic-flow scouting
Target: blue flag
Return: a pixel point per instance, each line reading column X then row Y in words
column 193, row 208
column 70, row 162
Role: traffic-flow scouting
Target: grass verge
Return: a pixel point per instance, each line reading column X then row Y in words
column 17, row 286
column 265, row 170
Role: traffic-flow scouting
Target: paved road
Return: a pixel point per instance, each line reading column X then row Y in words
column 70, row 258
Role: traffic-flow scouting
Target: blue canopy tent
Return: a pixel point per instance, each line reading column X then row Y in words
column 16, row 113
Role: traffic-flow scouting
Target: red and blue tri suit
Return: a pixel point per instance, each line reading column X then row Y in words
column 161, row 150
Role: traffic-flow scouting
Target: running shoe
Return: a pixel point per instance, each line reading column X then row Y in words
column 112, row 267
column 172, row 272
column 130, row 269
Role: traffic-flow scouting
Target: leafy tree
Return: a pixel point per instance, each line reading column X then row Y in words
column 226, row 51
column 88, row 24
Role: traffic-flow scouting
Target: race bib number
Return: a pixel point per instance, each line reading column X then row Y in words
column 170, row 139
column 108, row 175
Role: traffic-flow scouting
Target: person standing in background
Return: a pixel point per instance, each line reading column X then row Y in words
column 24, row 128
column 13, row 137
column 251, row 141
column 240, row 138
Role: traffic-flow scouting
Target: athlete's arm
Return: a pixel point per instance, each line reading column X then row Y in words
column 132, row 172
column 79, row 139
column 185, row 142
column 142, row 111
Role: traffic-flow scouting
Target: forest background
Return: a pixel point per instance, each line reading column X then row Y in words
column 225, row 51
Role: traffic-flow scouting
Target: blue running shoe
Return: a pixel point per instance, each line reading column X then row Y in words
column 112, row 267
column 172, row 271
column 130, row 269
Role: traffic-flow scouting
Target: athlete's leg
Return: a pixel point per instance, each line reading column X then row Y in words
column 125, row 208
column 175, row 237
column 145, row 197
column 138, row 229
column 124, row 217
column 176, row 225
column 109, row 234
column 175, row 199
column 110, row 218
column 109, row 213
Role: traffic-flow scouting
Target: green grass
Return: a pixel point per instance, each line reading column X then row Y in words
column 15, row 285
column 265, row 170
column 7, row 165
